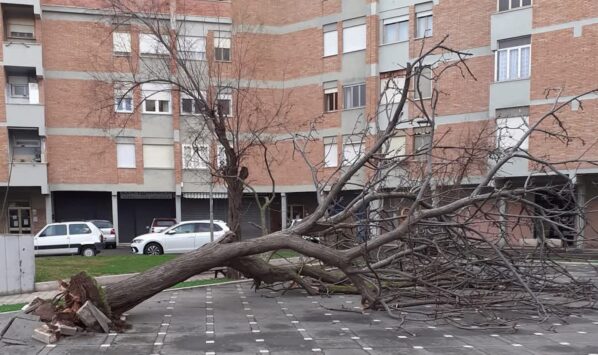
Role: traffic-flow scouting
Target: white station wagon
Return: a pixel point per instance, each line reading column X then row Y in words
column 180, row 238
column 69, row 238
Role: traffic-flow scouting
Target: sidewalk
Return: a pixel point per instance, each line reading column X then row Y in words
column 50, row 289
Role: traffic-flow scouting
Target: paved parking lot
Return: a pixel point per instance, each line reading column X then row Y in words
column 234, row 319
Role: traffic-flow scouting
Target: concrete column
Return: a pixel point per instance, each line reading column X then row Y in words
column 115, row 215
column 49, row 208
column 177, row 206
column 283, row 210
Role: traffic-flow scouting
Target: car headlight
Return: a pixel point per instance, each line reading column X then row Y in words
column 135, row 241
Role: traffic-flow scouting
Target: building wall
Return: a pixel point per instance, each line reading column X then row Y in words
column 281, row 43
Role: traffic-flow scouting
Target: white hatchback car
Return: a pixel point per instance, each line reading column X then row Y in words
column 69, row 238
column 180, row 238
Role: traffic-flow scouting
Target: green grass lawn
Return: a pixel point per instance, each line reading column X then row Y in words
column 63, row 267
column 11, row 307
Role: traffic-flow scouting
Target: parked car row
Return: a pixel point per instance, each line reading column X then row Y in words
column 87, row 238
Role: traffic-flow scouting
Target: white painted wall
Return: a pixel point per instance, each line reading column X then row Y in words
column 17, row 264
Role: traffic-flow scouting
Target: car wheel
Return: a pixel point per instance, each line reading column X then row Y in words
column 153, row 249
column 88, row 251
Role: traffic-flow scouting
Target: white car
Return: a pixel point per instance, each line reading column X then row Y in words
column 69, row 238
column 180, row 238
column 108, row 232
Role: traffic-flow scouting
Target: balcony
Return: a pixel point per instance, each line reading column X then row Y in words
column 23, row 55
column 37, row 10
column 29, row 174
column 512, row 93
column 27, row 116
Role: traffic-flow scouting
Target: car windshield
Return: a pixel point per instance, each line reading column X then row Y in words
column 102, row 224
column 171, row 228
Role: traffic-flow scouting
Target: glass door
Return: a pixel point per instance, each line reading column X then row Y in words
column 19, row 220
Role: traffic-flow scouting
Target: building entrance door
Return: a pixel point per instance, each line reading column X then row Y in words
column 19, row 220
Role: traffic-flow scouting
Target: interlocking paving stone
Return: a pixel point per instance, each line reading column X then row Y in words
column 297, row 324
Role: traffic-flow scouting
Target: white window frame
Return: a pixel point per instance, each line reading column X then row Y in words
column 121, row 43
column 330, row 155
column 223, row 43
column 187, row 47
column 156, row 93
column 349, row 147
column 504, row 132
column 334, row 93
column 354, row 87
column 427, row 32
column 391, row 21
column 119, row 92
column 23, row 25
column 511, row 5
column 158, row 47
column 360, row 34
column 122, row 151
column 508, row 73
column 199, row 158
column 330, row 43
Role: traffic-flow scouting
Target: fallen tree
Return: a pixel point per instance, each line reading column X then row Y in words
column 442, row 224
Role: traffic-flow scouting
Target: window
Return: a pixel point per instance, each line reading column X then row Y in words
column 354, row 38
column 221, row 156
column 53, row 231
column 192, row 48
column 354, row 96
column 351, row 152
column 330, row 100
column 422, row 140
column 151, row 44
column 158, row 156
column 330, row 154
column 156, row 98
column 19, row 90
column 125, row 155
column 19, row 27
column 225, row 104
column 391, row 90
column 184, row 229
column 123, row 99
column 395, row 30
column 424, row 25
column 222, row 49
column 512, row 124
column 121, row 42
column 504, row 5
column 191, row 106
column 397, row 146
column 330, row 43
column 195, row 156
column 513, row 59
column 423, row 84
column 79, row 228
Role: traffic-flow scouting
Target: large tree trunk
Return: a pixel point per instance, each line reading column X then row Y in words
column 125, row 295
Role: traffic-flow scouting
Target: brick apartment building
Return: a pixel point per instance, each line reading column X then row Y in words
column 60, row 162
